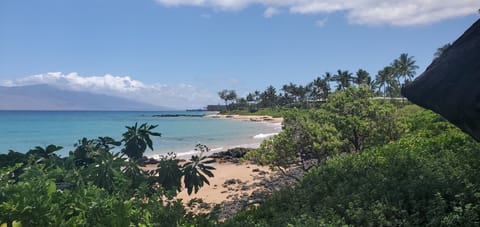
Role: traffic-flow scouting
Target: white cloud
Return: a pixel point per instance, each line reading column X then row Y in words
column 270, row 11
column 218, row 4
column 398, row 13
column 174, row 96
column 206, row 16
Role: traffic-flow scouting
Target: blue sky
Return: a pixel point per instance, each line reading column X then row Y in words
column 198, row 47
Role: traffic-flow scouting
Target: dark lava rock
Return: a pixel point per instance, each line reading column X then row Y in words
column 148, row 161
column 450, row 86
column 232, row 181
column 205, row 206
column 231, row 155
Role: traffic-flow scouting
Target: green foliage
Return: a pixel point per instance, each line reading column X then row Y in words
column 351, row 121
column 388, row 82
column 369, row 163
column 168, row 173
column 94, row 186
column 27, row 201
column 429, row 177
column 227, row 95
column 87, row 150
column 273, row 112
column 44, row 153
column 195, row 170
column 137, row 139
column 106, row 173
column 277, row 152
column 362, row 121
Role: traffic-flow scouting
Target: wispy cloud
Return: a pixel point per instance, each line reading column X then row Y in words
column 206, row 16
column 270, row 11
column 366, row 12
column 174, row 96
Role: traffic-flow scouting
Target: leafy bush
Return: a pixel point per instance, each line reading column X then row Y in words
column 418, row 180
column 351, row 121
column 94, row 186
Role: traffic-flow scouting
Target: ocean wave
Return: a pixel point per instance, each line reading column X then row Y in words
column 187, row 154
column 264, row 135
column 218, row 149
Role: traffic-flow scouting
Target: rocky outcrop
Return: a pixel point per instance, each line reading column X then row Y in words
column 231, row 155
column 266, row 185
column 450, row 86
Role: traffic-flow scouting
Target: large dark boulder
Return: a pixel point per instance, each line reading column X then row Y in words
column 231, row 155
column 450, row 86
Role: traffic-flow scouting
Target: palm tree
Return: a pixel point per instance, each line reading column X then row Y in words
column 372, row 84
column 319, row 89
column 223, row 94
column 362, row 77
column 250, row 99
column 384, row 78
column 440, row 50
column 231, row 96
column 328, row 78
column 195, row 170
column 137, row 139
column 269, row 97
column 289, row 93
column 227, row 95
column 404, row 67
column 343, row 79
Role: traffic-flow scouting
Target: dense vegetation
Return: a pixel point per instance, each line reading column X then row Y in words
column 408, row 167
column 95, row 186
column 386, row 83
column 351, row 121
column 367, row 161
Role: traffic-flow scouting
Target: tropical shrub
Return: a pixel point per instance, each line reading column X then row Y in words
column 95, row 186
column 418, row 180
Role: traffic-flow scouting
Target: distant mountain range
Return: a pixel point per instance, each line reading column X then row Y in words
column 46, row 97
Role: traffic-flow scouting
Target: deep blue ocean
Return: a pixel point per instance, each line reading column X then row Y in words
column 23, row 130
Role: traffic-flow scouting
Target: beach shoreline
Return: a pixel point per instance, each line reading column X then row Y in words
column 255, row 118
column 273, row 128
column 235, row 184
column 230, row 180
column 234, row 187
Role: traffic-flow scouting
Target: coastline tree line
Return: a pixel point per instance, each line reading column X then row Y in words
column 386, row 83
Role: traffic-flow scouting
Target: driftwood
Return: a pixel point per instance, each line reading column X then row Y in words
column 450, row 86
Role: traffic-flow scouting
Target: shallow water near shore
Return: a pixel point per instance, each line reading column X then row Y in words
column 23, row 130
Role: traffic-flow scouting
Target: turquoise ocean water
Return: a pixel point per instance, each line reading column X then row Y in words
column 23, row 130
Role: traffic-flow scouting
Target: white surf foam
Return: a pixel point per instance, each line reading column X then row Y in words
column 264, row 135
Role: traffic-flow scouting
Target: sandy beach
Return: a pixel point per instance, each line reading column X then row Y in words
column 234, row 186
column 230, row 180
column 257, row 118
